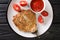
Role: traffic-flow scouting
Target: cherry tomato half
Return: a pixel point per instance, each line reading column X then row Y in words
column 44, row 13
column 40, row 19
column 23, row 3
column 16, row 7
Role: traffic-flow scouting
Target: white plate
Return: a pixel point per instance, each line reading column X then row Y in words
column 42, row 28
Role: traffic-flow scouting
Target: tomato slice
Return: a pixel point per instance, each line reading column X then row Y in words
column 23, row 3
column 44, row 13
column 40, row 19
column 16, row 7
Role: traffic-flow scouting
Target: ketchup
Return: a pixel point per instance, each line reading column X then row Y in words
column 37, row 5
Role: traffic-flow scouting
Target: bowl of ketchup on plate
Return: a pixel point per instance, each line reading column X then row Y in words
column 37, row 5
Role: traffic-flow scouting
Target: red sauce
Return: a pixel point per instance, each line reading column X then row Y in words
column 37, row 5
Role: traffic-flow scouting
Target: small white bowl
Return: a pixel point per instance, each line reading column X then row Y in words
column 39, row 11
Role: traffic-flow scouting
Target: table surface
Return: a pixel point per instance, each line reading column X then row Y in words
column 6, row 33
